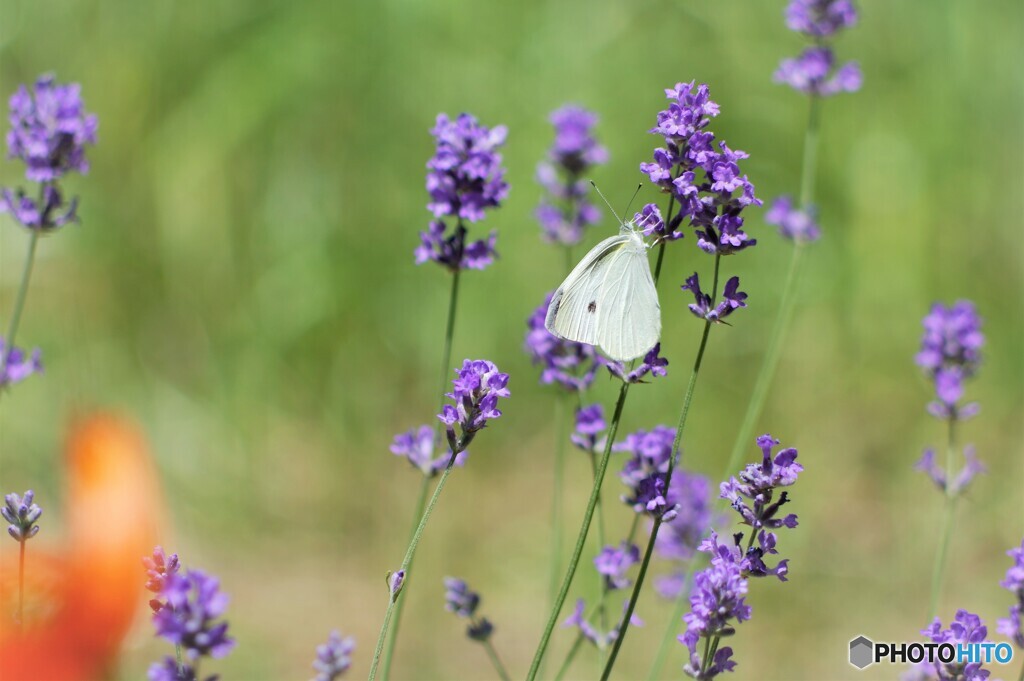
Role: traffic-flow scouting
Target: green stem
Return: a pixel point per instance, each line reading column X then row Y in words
column 582, row 538
column 446, row 368
column 496, row 661
column 385, row 671
column 177, row 657
column 406, row 562
column 946, row 532
column 561, row 421
column 21, row 585
column 672, row 463
column 19, row 301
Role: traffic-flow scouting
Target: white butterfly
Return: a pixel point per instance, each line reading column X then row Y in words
column 609, row 299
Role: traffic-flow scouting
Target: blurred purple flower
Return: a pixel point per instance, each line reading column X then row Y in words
column 951, row 353
column 652, row 364
column 22, row 513
column 965, row 628
column 193, row 604
column 644, row 472
column 334, row 657
column 679, row 538
column 589, row 632
column 417, row 446
column 477, row 387
column 167, row 670
column 814, row 72
column 972, row 466
column 590, row 424
column 574, row 152
column 158, row 567
column 794, row 224
column 49, row 129
column 708, row 185
column 613, row 562
column 1011, row 626
column 566, row 363
column 459, row 599
column 16, row 366
column 820, row 18
column 47, row 214
column 732, row 299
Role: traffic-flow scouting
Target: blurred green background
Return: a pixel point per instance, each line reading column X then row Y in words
column 242, row 284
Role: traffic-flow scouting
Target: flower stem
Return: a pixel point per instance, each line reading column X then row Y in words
column 409, row 553
column 561, row 423
column 673, row 461
column 19, row 301
column 21, row 585
column 496, row 661
column 946, row 532
column 177, row 657
column 582, row 538
column 389, row 652
column 787, row 301
column 446, row 361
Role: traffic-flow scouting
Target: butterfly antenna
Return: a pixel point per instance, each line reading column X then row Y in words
column 606, row 203
column 633, row 197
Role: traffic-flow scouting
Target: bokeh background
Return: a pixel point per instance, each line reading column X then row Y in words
column 242, row 286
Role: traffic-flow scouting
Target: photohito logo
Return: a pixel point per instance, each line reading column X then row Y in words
column 864, row 652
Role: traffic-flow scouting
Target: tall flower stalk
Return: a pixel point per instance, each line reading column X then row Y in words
column 465, row 178
column 950, row 354
column 22, row 513
column 476, row 390
column 49, row 132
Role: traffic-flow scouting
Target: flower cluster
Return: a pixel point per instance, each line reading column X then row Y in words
column 972, row 466
column 815, row 71
column 965, row 628
column 706, row 183
column 951, row 353
column 192, row 604
column 716, row 602
column 565, row 213
column 644, row 472
column 465, row 177
column 566, row 363
column 679, row 538
column 703, row 305
column 1012, row 627
column 600, row 639
column 49, row 132
column 417, row 446
column 590, row 424
column 477, row 387
column 653, row 363
column 334, row 657
column 16, row 365
column 22, row 513
column 793, row 223
column 159, row 567
column 613, row 562
column 459, row 599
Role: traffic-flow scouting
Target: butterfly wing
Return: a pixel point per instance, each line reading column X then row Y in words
column 573, row 311
column 629, row 315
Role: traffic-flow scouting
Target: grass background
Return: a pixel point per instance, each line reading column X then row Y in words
column 242, row 284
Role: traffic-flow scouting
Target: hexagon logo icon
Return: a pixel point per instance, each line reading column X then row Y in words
column 861, row 652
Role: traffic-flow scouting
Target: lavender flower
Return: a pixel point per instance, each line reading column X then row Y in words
column 972, row 466
column 1011, row 626
column 18, row 365
column 820, row 18
column 459, row 599
column 417, row 446
column 574, row 152
column 566, row 363
column 652, row 364
column 22, row 513
column 950, row 353
column 47, row 213
column 679, row 538
column 477, row 388
column 651, row 223
column 708, row 184
column 49, row 129
column 732, row 299
column 590, row 424
column 464, row 178
column 794, row 224
column 814, row 72
column 167, row 670
column 396, row 581
column 965, row 628
column 159, row 567
column 644, row 472
column 600, row 639
column 717, row 600
column 334, row 657
column 193, row 604
column 613, row 562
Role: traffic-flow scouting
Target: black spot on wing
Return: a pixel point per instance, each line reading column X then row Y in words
column 592, row 307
